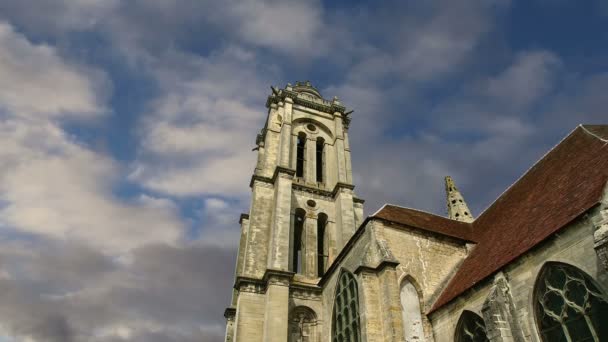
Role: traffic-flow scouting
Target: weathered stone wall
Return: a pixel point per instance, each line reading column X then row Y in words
column 381, row 258
column 572, row 245
column 426, row 259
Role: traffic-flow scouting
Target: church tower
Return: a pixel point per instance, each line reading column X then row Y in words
column 303, row 211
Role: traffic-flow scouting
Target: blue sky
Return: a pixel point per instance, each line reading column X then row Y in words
column 126, row 130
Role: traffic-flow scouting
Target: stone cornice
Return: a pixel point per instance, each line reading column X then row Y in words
column 332, row 194
column 277, row 277
column 277, row 171
column 382, row 265
column 271, row 277
column 312, row 190
column 339, row 186
column 323, row 106
column 243, row 217
column 358, row 200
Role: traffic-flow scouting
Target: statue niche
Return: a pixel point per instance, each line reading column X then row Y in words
column 302, row 325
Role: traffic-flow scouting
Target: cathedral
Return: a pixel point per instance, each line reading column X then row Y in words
column 310, row 267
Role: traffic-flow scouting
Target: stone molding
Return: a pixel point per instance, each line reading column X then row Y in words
column 302, row 99
column 259, row 286
column 243, row 217
column 279, row 171
column 277, row 277
column 250, row 285
column 325, row 193
column 301, row 291
column 379, row 268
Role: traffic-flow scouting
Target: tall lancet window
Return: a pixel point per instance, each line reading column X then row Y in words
column 322, row 244
column 300, row 155
column 345, row 322
column 569, row 306
column 298, row 236
column 320, row 161
column 471, row 328
column 412, row 315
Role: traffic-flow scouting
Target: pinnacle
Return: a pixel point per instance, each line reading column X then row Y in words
column 457, row 207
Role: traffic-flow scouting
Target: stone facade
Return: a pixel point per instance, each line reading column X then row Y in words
column 311, row 268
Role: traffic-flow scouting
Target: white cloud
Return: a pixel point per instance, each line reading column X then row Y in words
column 531, row 76
column 36, row 81
column 198, row 136
column 50, row 184
column 60, row 189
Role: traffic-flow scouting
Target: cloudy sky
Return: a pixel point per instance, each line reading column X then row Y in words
column 126, row 129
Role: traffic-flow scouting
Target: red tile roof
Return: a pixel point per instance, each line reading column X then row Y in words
column 564, row 184
column 426, row 221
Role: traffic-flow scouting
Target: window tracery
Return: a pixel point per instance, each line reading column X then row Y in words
column 471, row 328
column 345, row 322
column 569, row 306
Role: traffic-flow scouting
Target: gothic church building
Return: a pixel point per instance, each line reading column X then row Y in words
column 311, row 267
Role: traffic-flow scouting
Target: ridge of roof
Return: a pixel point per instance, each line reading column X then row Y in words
column 527, row 171
column 590, row 128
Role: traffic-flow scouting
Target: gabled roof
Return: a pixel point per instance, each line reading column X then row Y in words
column 426, row 221
column 565, row 183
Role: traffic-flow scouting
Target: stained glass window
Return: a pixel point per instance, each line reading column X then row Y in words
column 471, row 328
column 569, row 307
column 345, row 324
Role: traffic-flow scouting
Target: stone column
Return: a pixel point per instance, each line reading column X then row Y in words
column 499, row 313
column 286, row 133
column 276, row 313
column 340, row 149
column 310, row 246
column 255, row 258
column 278, row 246
column 347, row 159
column 249, row 319
column 310, row 174
column 345, row 213
column 392, row 320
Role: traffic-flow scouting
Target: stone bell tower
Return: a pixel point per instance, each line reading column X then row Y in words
column 303, row 210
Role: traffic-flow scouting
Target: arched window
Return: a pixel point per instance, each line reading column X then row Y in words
column 412, row 315
column 345, row 322
column 470, row 328
column 298, row 236
column 320, row 161
column 569, row 306
column 302, row 325
column 322, row 244
column 300, row 155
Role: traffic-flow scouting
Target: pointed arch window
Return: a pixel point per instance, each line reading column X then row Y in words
column 345, row 323
column 411, row 313
column 471, row 328
column 300, row 154
column 322, row 244
column 320, row 159
column 298, row 237
column 569, row 306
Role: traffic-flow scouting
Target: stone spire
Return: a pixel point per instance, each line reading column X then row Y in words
column 457, row 207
